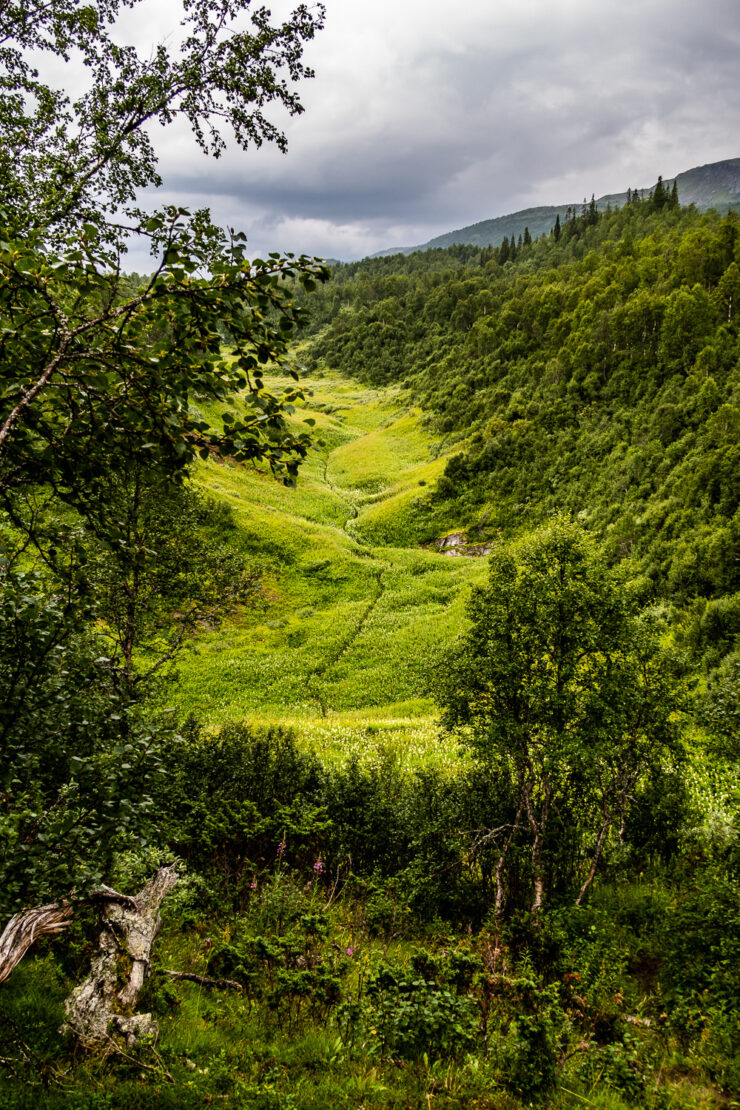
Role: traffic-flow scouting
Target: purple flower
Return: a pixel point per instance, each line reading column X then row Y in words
column 253, row 884
column 281, row 849
column 349, row 951
column 318, row 867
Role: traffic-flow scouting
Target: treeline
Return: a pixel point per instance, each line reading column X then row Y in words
column 596, row 374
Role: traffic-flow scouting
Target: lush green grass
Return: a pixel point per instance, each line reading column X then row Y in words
column 265, row 1049
column 354, row 612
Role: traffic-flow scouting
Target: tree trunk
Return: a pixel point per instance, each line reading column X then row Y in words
column 28, row 926
column 539, row 882
column 502, row 860
column 539, row 829
column 595, row 858
column 102, row 1007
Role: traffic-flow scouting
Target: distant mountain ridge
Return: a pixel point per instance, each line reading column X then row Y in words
column 716, row 185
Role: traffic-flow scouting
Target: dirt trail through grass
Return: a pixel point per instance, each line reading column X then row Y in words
column 314, row 677
column 379, row 571
column 343, row 495
column 354, row 611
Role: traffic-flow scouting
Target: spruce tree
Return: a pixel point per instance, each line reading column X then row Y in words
column 659, row 196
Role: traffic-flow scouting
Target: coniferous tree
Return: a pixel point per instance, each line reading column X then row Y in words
column 659, row 196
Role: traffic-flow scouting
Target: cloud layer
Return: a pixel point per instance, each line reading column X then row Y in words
column 425, row 116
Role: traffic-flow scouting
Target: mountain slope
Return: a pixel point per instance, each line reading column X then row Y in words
column 598, row 375
column 716, row 185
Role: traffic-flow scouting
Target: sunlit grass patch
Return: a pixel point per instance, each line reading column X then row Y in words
column 353, row 613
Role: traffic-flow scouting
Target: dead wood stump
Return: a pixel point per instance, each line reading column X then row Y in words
column 28, row 926
column 101, row 1010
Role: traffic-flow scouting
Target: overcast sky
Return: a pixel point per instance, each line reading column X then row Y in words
column 427, row 115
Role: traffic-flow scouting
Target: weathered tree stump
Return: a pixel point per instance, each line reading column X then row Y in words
column 102, row 1008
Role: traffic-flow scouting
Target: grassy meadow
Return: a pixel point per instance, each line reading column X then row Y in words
column 353, row 611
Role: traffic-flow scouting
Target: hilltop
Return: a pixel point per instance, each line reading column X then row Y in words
column 716, row 185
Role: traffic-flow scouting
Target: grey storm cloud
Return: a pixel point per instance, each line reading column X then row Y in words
column 424, row 116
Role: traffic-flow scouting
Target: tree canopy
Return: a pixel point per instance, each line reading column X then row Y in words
column 104, row 378
column 564, row 687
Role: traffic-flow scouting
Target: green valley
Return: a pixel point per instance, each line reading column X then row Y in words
column 353, row 609
column 369, row 634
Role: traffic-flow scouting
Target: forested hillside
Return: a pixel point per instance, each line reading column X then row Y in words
column 596, row 372
column 716, row 185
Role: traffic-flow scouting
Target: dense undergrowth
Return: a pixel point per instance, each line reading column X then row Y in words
column 348, row 906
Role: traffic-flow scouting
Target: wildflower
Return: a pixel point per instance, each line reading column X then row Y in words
column 253, row 884
column 318, row 867
column 281, row 849
column 349, row 951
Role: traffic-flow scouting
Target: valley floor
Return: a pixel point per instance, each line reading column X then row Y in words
column 354, row 611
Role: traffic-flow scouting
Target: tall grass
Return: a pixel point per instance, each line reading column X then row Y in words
column 354, row 611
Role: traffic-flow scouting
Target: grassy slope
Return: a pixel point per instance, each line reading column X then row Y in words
column 354, row 610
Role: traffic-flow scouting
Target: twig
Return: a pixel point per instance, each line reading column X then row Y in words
column 203, row 981
column 333, row 890
column 140, row 1063
column 584, row 1046
column 576, row 1095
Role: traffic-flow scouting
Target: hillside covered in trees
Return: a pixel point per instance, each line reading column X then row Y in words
column 716, row 185
column 596, row 372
